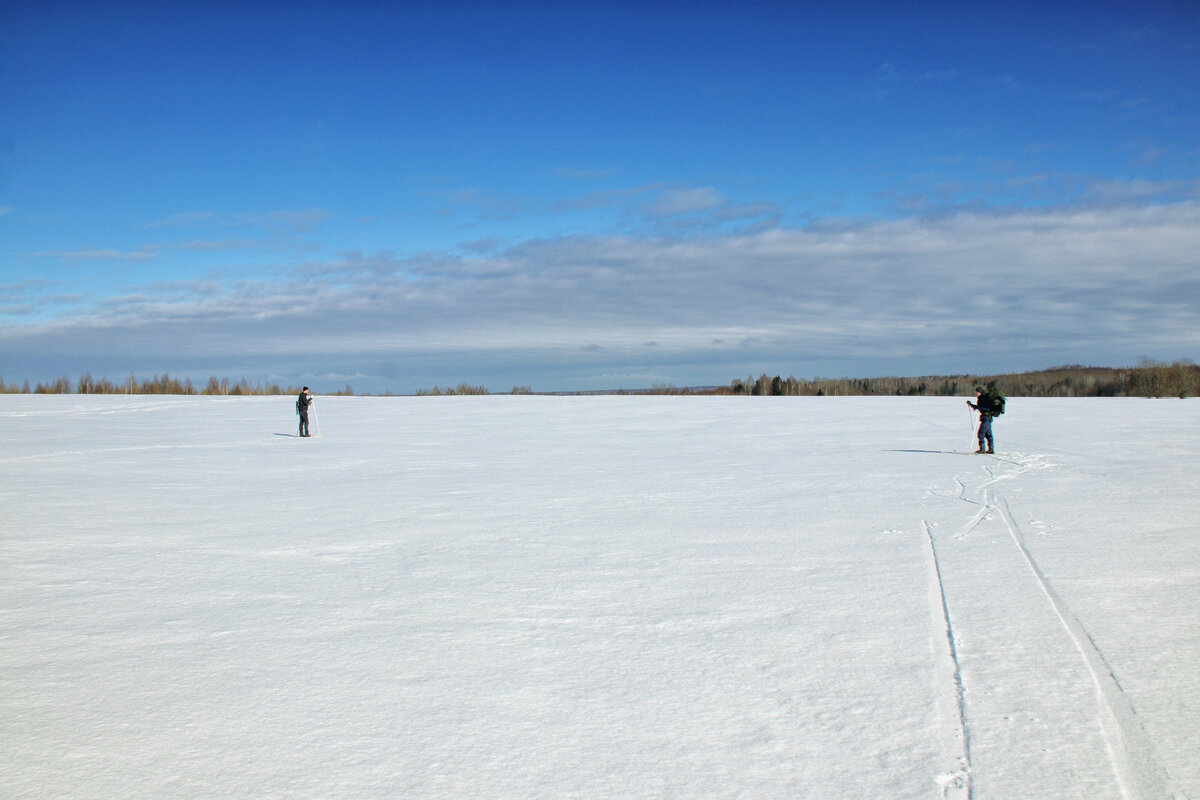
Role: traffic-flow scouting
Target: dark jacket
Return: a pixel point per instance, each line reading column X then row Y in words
column 302, row 403
column 985, row 404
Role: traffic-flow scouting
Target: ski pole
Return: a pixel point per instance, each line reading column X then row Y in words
column 970, row 427
column 316, row 423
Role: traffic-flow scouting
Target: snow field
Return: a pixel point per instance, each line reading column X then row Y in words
column 519, row 597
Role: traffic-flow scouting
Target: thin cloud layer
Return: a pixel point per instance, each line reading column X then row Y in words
column 891, row 296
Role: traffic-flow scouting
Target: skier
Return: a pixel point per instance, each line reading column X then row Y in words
column 989, row 403
column 302, row 403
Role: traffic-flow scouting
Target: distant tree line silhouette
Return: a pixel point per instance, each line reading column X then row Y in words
column 462, row 388
column 159, row 384
column 1149, row 379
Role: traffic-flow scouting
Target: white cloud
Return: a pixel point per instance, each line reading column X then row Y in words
column 184, row 219
column 674, row 202
column 100, row 254
column 286, row 221
column 1123, row 192
column 279, row 221
column 1036, row 288
column 576, row 174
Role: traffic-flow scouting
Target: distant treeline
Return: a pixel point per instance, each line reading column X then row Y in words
column 462, row 388
column 1148, row 379
column 159, row 384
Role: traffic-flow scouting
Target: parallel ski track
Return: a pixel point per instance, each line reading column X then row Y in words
column 1135, row 762
column 1136, row 765
column 956, row 780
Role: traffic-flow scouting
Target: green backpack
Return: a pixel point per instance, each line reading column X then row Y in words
column 997, row 398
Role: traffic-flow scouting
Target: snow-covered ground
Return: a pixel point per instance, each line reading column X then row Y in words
column 598, row 597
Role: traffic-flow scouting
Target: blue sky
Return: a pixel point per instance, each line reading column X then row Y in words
column 585, row 195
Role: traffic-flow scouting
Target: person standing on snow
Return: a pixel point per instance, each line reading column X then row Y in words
column 302, row 403
column 988, row 407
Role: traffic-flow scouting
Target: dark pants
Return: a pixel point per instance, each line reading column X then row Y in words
column 304, row 423
column 985, row 431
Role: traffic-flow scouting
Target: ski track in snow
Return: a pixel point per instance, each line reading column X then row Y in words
column 1135, row 761
column 1136, row 765
column 955, row 779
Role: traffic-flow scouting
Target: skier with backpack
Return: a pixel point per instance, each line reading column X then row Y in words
column 990, row 404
